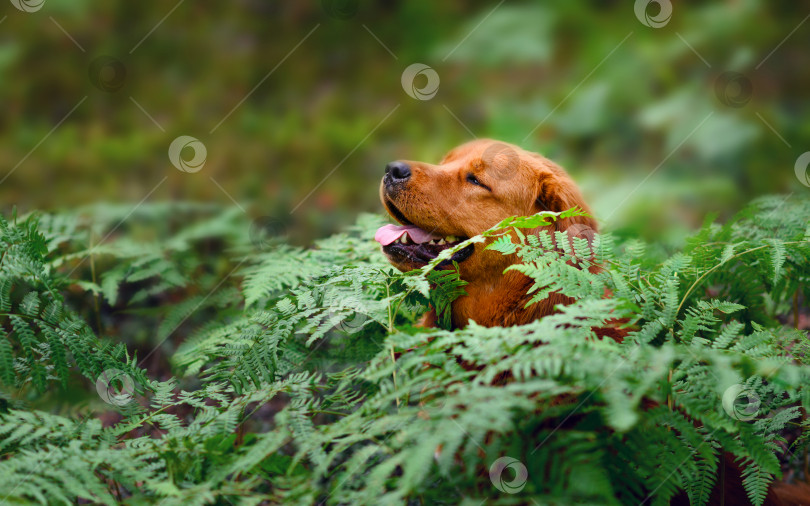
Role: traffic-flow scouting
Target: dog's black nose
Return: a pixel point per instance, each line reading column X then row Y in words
column 398, row 171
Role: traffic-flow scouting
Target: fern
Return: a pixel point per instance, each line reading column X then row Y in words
column 302, row 377
column 447, row 287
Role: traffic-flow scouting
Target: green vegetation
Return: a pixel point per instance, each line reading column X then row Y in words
column 300, row 378
column 186, row 353
column 615, row 98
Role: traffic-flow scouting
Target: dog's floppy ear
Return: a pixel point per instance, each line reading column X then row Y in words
column 557, row 192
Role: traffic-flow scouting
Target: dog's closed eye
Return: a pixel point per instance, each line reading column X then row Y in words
column 474, row 180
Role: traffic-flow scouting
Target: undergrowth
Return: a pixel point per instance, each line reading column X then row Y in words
column 177, row 356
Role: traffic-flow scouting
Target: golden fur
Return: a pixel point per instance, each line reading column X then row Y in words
column 440, row 199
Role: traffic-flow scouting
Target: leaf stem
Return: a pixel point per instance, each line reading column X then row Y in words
column 391, row 331
column 698, row 280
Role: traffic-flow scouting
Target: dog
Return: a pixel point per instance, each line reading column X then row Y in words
column 474, row 187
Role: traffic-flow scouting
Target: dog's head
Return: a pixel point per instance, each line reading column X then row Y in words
column 473, row 188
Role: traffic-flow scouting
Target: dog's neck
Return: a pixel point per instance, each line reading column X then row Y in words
column 501, row 297
column 502, row 302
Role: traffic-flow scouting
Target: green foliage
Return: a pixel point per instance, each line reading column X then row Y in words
column 300, row 376
column 110, row 149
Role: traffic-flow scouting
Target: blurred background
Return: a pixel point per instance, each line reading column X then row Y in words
column 662, row 113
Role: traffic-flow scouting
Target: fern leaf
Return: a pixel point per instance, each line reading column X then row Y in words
column 6, row 359
column 778, row 256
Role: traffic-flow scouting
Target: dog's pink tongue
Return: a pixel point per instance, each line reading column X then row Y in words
column 388, row 234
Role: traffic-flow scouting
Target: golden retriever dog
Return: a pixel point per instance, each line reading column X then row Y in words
column 473, row 188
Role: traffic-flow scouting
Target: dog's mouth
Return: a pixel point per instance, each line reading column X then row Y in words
column 416, row 245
